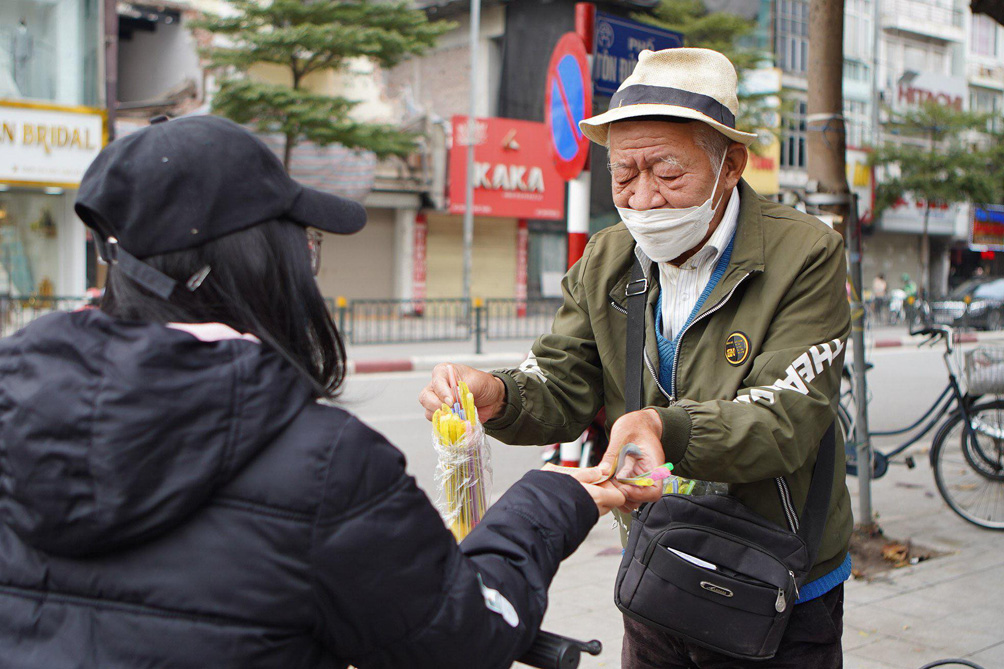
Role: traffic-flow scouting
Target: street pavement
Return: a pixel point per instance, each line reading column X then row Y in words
column 950, row 606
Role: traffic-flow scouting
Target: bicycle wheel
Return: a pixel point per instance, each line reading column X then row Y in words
column 968, row 465
column 844, row 424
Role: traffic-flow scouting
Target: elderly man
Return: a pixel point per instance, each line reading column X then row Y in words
column 746, row 324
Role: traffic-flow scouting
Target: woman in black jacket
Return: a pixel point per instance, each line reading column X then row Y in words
column 177, row 488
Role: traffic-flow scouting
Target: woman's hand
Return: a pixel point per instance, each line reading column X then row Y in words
column 488, row 390
column 606, row 495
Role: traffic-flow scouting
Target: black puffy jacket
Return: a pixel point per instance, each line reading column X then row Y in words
column 172, row 502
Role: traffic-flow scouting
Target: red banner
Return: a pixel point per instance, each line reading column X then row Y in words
column 419, row 262
column 513, row 172
column 522, row 253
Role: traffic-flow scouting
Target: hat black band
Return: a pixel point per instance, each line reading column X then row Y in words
column 156, row 282
column 642, row 94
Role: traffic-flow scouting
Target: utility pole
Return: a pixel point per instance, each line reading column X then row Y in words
column 828, row 190
column 827, row 136
column 472, row 126
column 580, row 187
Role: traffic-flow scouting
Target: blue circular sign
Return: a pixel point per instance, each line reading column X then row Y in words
column 569, row 100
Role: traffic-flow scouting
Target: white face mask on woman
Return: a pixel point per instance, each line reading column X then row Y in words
column 665, row 234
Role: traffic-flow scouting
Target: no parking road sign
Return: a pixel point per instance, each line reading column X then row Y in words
column 569, row 99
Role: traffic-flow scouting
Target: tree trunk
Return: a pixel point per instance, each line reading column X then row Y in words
column 827, row 140
column 287, row 152
column 111, row 35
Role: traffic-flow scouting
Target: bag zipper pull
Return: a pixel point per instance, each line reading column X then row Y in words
column 794, row 582
column 780, row 604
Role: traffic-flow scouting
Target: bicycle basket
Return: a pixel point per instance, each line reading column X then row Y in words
column 984, row 370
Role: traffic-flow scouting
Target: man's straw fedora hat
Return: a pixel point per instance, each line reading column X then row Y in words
column 698, row 84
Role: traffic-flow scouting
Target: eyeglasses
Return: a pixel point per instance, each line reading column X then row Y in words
column 314, row 239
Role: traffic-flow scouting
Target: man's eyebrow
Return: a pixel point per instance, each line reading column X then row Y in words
column 672, row 161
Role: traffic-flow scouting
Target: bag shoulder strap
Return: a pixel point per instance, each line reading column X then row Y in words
column 812, row 522
column 636, row 291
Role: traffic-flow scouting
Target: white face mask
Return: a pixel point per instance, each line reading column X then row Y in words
column 665, row 234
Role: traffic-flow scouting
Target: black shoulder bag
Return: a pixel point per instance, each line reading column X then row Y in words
column 706, row 568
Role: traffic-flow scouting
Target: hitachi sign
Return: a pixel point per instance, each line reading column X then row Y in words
column 508, row 177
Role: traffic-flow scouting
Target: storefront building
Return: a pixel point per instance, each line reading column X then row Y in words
column 44, row 151
column 516, row 187
column 50, row 130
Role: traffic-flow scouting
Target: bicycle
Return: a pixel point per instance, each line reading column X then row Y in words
column 967, row 453
column 554, row 651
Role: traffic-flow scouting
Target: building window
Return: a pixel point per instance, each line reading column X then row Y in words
column 857, row 71
column 48, row 51
column 983, row 37
column 793, row 35
column 858, row 123
column 793, row 137
column 988, row 101
column 858, row 29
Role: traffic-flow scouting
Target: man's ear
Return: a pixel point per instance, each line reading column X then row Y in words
column 735, row 164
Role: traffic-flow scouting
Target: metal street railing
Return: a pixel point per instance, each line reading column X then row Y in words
column 519, row 319
column 17, row 312
column 401, row 321
column 371, row 321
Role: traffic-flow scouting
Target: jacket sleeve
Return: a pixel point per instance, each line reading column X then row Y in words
column 556, row 393
column 394, row 589
column 777, row 419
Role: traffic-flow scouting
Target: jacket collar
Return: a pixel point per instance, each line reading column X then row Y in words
column 748, row 252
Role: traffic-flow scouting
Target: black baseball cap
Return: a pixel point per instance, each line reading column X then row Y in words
column 181, row 183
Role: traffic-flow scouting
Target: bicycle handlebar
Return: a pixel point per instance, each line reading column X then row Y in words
column 944, row 332
column 553, row 651
column 930, row 330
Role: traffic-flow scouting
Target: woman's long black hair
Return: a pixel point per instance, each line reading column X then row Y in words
column 260, row 282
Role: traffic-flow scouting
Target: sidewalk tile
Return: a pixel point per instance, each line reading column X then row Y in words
column 855, row 637
column 990, row 657
column 852, row 661
column 895, row 652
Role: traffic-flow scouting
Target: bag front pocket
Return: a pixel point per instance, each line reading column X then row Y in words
column 685, row 599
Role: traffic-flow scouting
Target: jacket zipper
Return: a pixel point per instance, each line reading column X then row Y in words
column 676, row 359
column 618, row 307
column 651, row 369
column 786, row 503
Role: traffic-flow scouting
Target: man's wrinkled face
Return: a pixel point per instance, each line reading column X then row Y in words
column 658, row 164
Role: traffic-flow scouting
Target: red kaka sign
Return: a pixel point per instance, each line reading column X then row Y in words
column 513, row 172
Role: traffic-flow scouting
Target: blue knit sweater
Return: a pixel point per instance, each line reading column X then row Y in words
column 667, row 355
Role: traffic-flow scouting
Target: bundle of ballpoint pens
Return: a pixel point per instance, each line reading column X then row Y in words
column 464, row 471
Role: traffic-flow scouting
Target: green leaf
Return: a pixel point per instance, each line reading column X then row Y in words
column 304, row 37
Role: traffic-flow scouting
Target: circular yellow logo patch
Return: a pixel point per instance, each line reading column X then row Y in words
column 737, row 348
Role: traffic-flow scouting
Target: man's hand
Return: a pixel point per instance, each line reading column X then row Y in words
column 643, row 429
column 488, row 390
column 606, row 495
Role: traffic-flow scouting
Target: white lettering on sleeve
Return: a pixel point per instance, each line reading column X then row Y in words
column 798, row 374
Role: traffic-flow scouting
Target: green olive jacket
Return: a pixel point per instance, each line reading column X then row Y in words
column 756, row 375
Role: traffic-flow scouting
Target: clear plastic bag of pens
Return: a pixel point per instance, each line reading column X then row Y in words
column 683, row 486
column 464, row 471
